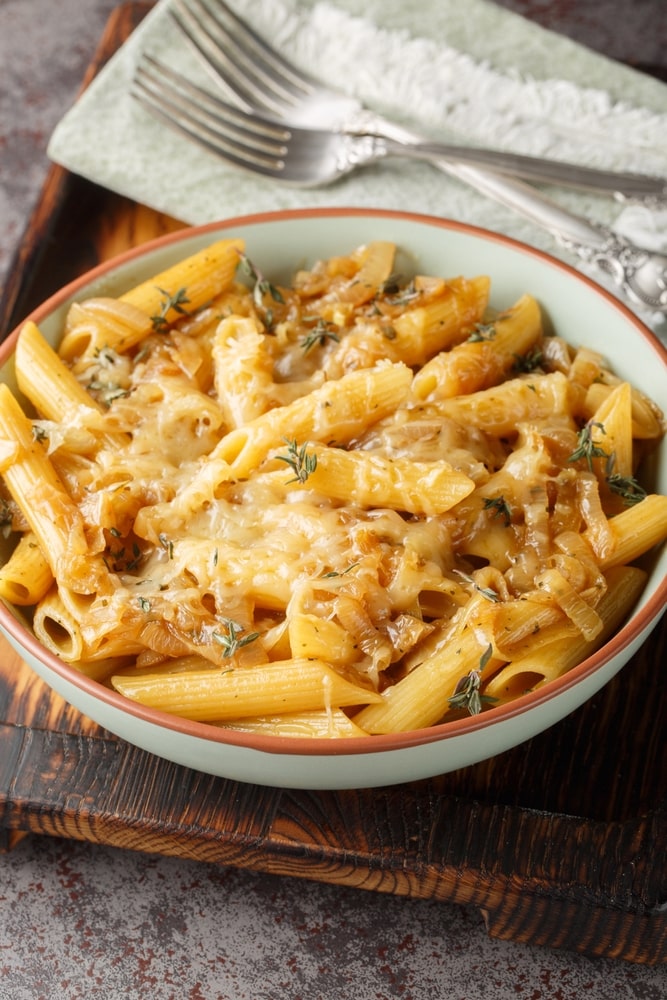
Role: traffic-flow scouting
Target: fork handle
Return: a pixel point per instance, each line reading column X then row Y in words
column 534, row 168
column 639, row 274
column 568, row 228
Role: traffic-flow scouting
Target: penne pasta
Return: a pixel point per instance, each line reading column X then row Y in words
column 424, row 330
column 98, row 326
column 634, row 531
column 201, row 277
column 335, row 412
column 285, row 686
column 45, row 379
column 614, row 417
column 485, row 358
column 501, row 408
column 332, row 724
column 57, row 394
column 647, row 418
column 555, row 650
column 370, row 480
column 420, row 699
column 52, row 515
column 242, row 370
column 348, row 506
column 26, row 576
column 56, row 627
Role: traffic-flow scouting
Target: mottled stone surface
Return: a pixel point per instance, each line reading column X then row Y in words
column 87, row 922
column 80, row 920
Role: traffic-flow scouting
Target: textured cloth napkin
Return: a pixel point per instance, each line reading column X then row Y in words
column 468, row 72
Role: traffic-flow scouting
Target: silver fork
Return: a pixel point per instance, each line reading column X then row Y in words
column 266, row 83
column 311, row 157
column 258, row 76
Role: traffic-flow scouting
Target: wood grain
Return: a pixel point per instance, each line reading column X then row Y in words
column 559, row 842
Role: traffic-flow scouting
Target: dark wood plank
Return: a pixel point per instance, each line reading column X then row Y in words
column 559, row 842
column 538, row 877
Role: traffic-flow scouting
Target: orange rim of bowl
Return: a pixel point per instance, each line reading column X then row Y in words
column 642, row 621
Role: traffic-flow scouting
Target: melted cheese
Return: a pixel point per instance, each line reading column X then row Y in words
column 194, row 540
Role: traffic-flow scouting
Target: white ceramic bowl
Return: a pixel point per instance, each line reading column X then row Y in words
column 279, row 243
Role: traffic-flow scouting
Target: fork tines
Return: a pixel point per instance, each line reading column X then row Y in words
column 242, row 139
column 256, row 73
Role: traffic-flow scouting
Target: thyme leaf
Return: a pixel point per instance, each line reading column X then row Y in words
column 487, row 592
column 261, row 287
column 107, row 391
column 466, row 693
column 527, row 362
column 500, row 508
column 318, row 336
column 177, row 301
column 626, row 487
column 136, row 558
column 586, row 448
column 343, row 572
column 397, row 296
column 232, row 640
column 124, row 560
column 299, row 460
column 107, row 356
column 482, row 331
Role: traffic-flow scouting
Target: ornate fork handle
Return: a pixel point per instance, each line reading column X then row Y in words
column 640, row 274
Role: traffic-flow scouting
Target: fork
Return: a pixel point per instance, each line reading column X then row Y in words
column 258, row 76
column 311, row 157
column 266, row 83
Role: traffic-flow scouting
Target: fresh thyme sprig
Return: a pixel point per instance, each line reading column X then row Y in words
column 232, row 640
column 343, row 572
column 627, row 487
column 482, row 331
column 466, row 693
column 486, row 592
column 177, row 302
column 261, row 287
column 586, row 448
column 299, row 460
column 106, row 392
column 527, row 362
column 500, row 508
column 318, row 336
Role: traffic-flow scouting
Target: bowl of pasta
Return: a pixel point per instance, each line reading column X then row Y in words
column 332, row 498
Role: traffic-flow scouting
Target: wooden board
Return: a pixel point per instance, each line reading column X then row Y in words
column 560, row 842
